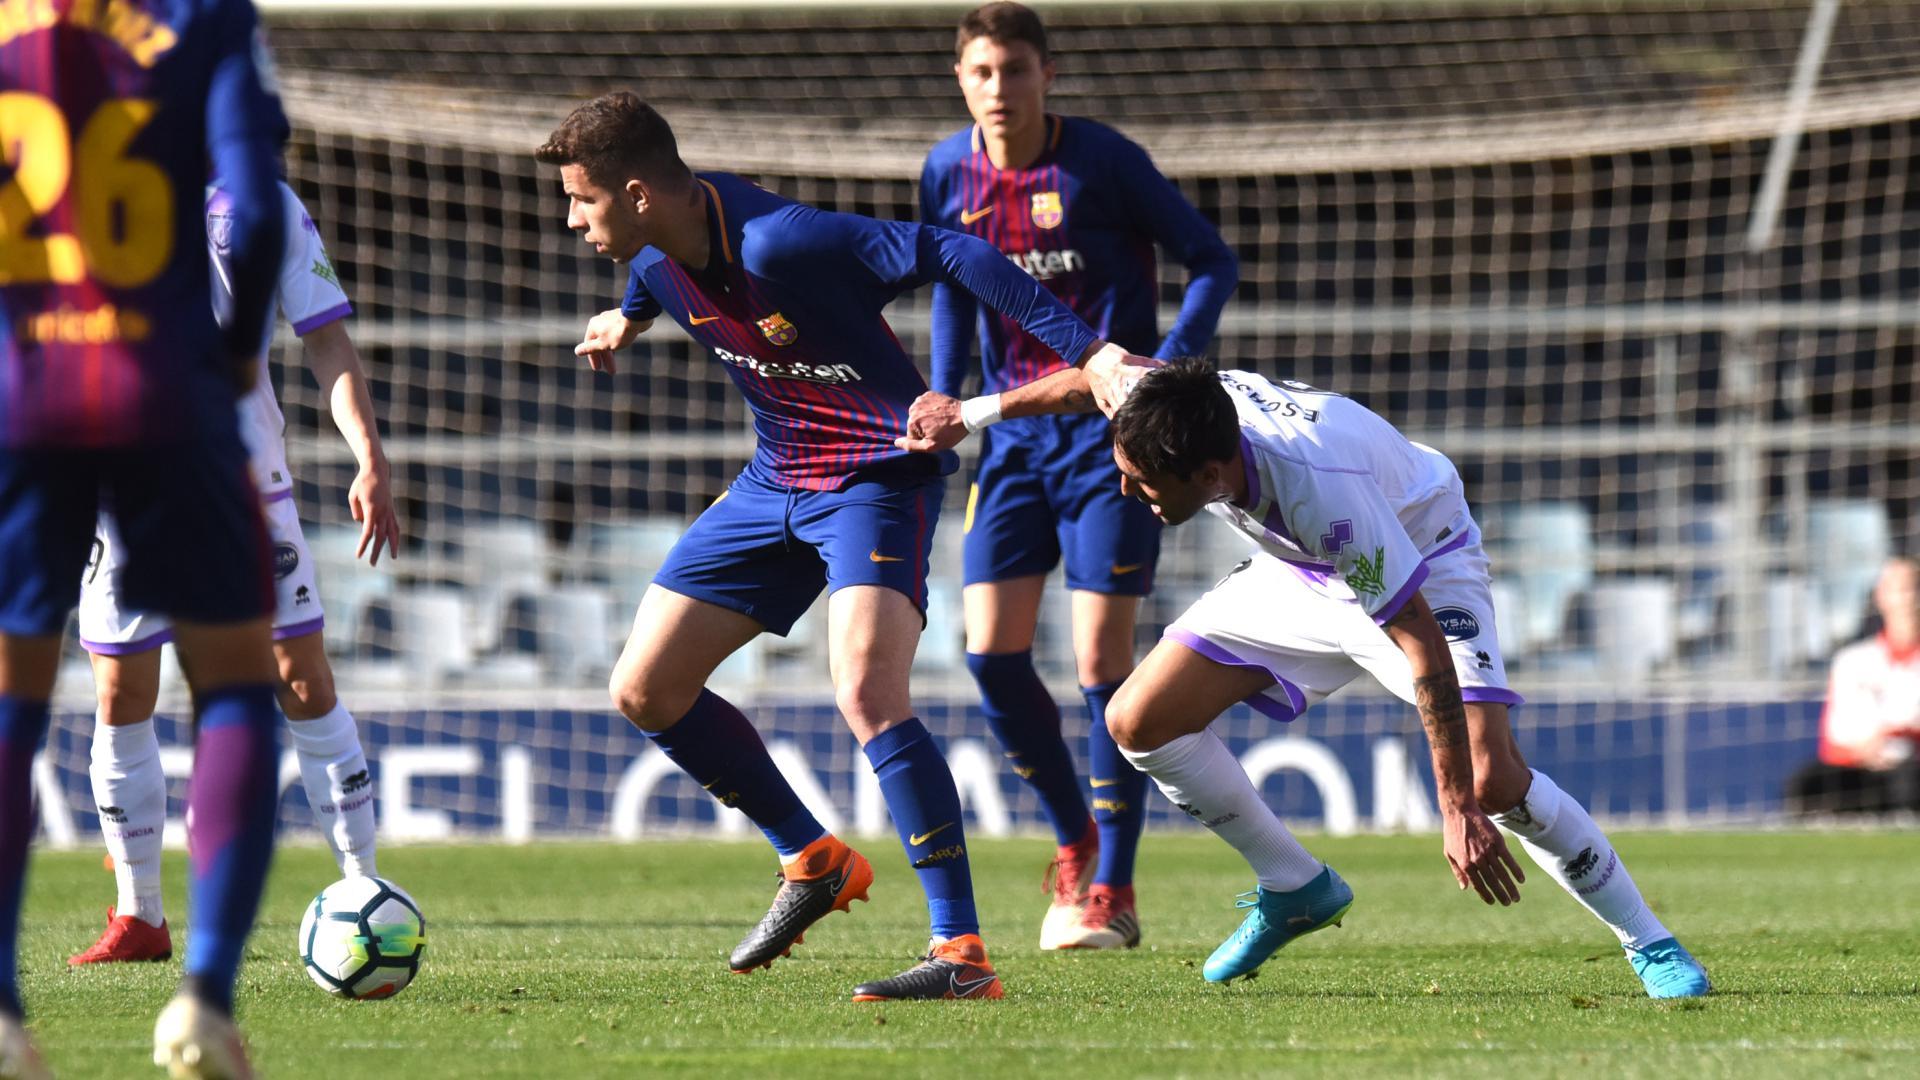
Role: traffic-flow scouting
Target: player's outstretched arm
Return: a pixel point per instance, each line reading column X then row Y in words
column 336, row 366
column 1474, row 847
column 607, row 333
column 940, row 422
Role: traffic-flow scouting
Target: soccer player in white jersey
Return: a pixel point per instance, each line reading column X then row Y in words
column 129, row 789
column 1367, row 559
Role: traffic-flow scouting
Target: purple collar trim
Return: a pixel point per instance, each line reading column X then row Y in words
column 1253, row 478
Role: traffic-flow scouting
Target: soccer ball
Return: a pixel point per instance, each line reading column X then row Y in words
column 362, row 938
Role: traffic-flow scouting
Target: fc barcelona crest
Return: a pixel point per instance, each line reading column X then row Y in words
column 1047, row 210
column 778, row 329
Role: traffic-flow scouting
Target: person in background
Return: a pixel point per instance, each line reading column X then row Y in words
column 1870, row 729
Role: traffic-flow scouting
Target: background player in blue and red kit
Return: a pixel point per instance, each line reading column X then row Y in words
column 1080, row 208
column 789, row 299
column 116, row 385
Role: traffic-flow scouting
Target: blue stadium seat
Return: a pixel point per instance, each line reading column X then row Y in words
column 1546, row 550
column 569, row 629
column 1848, row 541
column 347, row 585
column 1634, row 629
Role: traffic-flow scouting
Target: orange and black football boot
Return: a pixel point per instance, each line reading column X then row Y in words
column 827, row 877
column 952, row 970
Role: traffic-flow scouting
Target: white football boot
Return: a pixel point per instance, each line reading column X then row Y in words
column 195, row 1041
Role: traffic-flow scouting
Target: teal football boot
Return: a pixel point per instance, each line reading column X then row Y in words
column 1275, row 918
column 1668, row 970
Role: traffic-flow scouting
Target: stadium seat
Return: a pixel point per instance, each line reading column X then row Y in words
column 1509, row 620
column 625, row 554
column 1633, row 625
column 1546, row 550
column 943, row 647
column 1848, row 540
column 1794, row 636
column 497, row 559
column 571, row 630
column 431, row 630
column 347, row 585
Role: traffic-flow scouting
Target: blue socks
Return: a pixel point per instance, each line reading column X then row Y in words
column 230, row 806
column 23, row 722
column 717, row 746
column 1119, row 794
column 1025, row 719
column 919, row 790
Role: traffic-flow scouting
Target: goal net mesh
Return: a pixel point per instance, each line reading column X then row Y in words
column 1520, row 232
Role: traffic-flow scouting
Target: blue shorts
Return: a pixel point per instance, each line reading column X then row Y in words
column 1032, row 502
column 765, row 550
column 196, row 548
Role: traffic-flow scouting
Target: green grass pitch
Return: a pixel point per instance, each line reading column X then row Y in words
column 601, row 960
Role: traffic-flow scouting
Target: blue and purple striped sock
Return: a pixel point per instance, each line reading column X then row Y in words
column 918, row 787
column 1025, row 719
column 23, row 722
column 717, row 746
column 1119, row 793
column 230, row 804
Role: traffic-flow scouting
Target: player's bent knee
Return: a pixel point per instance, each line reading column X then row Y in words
column 870, row 710
column 1131, row 724
column 650, row 704
column 118, row 708
column 306, row 693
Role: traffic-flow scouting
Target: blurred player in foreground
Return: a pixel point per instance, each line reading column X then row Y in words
column 1080, row 208
column 788, row 298
column 129, row 789
column 1368, row 560
column 117, row 387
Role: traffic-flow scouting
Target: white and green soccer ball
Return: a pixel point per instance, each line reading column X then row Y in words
column 362, row 938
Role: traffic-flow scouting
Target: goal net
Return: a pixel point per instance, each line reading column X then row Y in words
column 1523, row 233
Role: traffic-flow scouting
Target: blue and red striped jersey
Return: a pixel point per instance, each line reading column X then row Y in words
column 110, row 111
column 791, row 306
column 1083, row 220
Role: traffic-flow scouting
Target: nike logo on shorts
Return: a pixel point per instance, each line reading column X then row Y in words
column 1097, row 782
column 1127, row 569
column 877, row 557
column 968, row 217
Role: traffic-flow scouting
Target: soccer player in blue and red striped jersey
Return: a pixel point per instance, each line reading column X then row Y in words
column 1080, row 208
column 788, row 298
column 116, row 384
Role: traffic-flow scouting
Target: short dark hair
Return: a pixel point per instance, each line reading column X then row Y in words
column 1177, row 419
column 1002, row 24
column 615, row 138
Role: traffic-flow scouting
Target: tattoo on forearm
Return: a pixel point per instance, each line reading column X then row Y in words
column 1441, row 711
column 1079, row 401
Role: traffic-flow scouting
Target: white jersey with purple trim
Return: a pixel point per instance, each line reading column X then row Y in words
column 308, row 297
column 1339, row 493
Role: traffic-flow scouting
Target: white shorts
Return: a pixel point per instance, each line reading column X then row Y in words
column 1311, row 634
column 108, row 629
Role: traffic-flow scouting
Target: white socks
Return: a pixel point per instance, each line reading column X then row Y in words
column 1560, row 836
column 333, row 769
column 1201, row 777
column 130, row 794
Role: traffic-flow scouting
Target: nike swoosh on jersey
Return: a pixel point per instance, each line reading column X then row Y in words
column 701, row 320
column 920, row 838
column 877, row 557
column 1127, row 569
column 968, row 217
